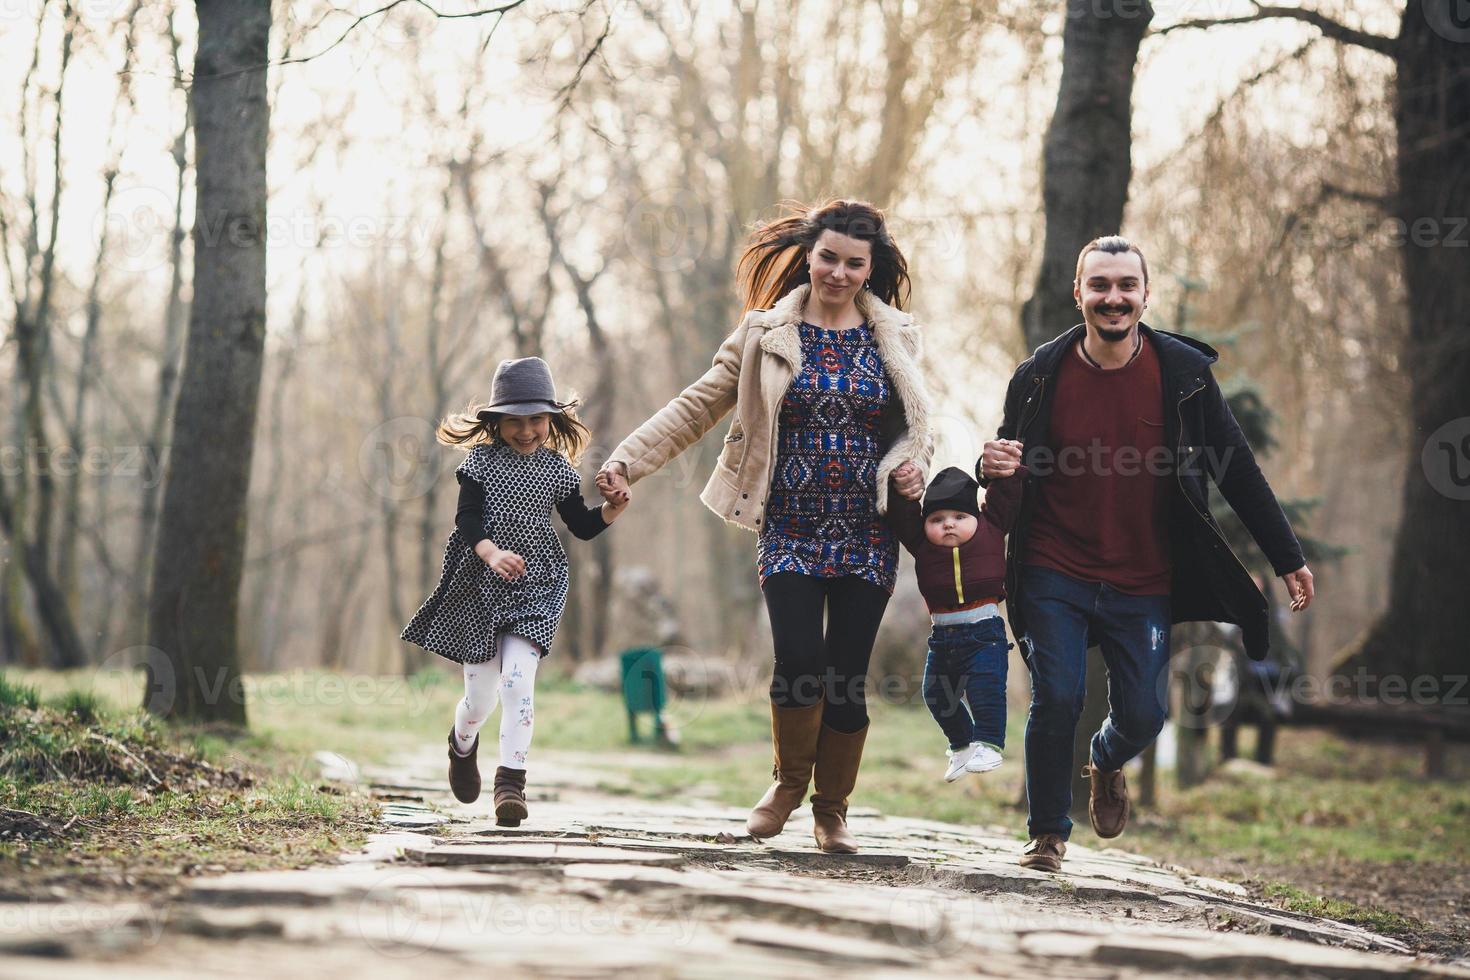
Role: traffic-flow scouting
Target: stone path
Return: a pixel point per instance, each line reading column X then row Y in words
column 595, row 884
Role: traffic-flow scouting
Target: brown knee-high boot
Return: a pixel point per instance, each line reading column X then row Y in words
column 794, row 738
column 839, row 754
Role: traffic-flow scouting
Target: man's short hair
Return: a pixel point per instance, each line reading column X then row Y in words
column 1113, row 245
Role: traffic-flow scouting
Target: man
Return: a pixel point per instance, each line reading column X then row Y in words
column 1118, row 425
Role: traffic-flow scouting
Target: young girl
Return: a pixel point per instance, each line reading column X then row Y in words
column 504, row 582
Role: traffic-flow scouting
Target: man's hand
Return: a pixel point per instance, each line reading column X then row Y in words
column 507, row 564
column 1299, row 584
column 999, row 458
column 612, row 483
column 908, row 480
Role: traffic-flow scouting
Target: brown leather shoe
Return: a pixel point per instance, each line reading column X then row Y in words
column 839, row 754
column 510, row 797
column 794, row 738
column 1044, row 853
column 464, row 771
column 1107, row 800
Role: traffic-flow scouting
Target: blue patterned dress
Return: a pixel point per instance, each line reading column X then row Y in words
column 822, row 514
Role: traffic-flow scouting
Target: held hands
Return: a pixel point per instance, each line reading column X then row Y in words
column 999, row 458
column 908, row 480
column 507, row 564
column 612, row 483
column 616, row 503
column 1299, row 584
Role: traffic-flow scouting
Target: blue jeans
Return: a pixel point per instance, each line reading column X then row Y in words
column 1061, row 614
column 968, row 660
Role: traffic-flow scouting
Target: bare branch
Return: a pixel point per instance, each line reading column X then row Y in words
column 1383, row 202
column 1330, row 28
column 361, row 19
column 564, row 94
column 1218, row 113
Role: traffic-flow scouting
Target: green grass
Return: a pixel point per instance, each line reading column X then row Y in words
column 97, row 794
column 1296, row 900
column 13, row 695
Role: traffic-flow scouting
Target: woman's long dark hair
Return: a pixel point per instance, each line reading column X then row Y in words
column 774, row 262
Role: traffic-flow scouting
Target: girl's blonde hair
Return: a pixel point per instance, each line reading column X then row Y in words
column 569, row 434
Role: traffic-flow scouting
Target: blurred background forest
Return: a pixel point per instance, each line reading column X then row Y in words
column 448, row 187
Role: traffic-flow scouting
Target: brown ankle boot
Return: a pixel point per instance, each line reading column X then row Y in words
column 839, row 754
column 510, row 797
column 794, row 737
column 1107, row 800
column 464, row 771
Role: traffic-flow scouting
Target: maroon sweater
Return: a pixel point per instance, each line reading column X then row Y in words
column 981, row 560
column 1102, row 516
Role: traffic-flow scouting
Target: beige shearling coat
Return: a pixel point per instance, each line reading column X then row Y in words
column 750, row 374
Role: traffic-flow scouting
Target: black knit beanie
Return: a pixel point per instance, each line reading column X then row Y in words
column 952, row 489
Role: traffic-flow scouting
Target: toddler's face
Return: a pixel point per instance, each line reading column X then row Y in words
column 950, row 528
column 525, row 433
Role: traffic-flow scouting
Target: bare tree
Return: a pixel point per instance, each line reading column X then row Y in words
column 194, row 600
column 76, row 424
column 1422, row 632
column 597, row 594
column 27, row 522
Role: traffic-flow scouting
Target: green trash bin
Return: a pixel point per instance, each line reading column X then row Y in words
column 644, row 690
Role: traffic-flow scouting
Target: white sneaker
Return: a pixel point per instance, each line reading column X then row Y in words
column 982, row 758
column 958, row 762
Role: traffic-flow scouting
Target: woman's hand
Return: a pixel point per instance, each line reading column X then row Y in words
column 612, row 483
column 908, row 480
column 507, row 564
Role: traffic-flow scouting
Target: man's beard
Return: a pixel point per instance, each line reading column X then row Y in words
column 1110, row 333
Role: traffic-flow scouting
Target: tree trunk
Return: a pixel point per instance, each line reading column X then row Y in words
column 1087, row 161
column 1192, row 711
column 1148, row 776
column 194, row 602
column 1422, row 634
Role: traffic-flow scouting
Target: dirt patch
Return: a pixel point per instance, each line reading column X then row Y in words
column 47, row 745
column 1436, row 897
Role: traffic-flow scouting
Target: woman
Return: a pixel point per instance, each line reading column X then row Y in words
column 830, row 407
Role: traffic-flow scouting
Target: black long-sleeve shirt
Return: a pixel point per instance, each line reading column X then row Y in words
column 584, row 522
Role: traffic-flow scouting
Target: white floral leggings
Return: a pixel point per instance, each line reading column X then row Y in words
column 510, row 678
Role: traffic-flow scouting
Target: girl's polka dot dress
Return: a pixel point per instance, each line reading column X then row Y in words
column 472, row 605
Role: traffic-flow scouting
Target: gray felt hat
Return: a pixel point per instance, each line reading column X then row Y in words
column 522, row 386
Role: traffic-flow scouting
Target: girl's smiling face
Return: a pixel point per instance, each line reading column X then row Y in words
column 525, row 433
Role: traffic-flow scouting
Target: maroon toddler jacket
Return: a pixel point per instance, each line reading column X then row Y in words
column 955, row 578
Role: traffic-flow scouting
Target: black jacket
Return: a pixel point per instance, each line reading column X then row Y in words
column 1209, row 582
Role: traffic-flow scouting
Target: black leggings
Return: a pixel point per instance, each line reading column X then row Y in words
column 811, row 667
